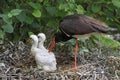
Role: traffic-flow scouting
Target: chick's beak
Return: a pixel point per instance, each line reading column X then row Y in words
column 52, row 45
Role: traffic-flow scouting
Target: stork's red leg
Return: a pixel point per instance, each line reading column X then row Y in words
column 52, row 45
column 75, row 54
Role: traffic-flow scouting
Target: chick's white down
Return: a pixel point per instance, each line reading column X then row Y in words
column 44, row 60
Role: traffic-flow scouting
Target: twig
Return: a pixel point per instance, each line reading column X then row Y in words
column 7, row 70
column 116, row 75
column 95, row 76
column 20, row 75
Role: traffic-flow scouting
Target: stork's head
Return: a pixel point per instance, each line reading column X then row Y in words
column 58, row 38
column 34, row 38
column 41, row 37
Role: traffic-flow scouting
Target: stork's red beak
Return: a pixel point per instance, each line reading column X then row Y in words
column 52, row 45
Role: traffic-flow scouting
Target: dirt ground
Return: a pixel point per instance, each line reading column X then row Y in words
column 16, row 63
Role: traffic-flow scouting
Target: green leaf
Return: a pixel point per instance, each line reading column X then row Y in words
column 61, row 6
column 70, row 13
column 101, row 1
column 64, row 7
column 24, row 18
column 96, row 8
column 71, row 5
column 10, row 15
column 6, row 18
column 14, row 12
column 35, row 25
column 8, row 28
column 106, row 41
column 51, row 10
column 21, row 17
column 52, row 23
column 29, row 20
column 35, row 5
column 116, row 3
column 80, row 9
column 30, row 33
column 72, row 42
column 40, row 0
column 36, row 13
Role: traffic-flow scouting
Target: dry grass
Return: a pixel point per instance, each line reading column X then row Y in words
column 16, row 63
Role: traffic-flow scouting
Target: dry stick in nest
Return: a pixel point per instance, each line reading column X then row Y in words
column 63, row 71
column 116, row 75
column 11, row 76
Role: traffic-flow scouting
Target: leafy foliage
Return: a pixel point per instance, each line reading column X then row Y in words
column 106, row 41
column 7, row 28
column 20, row 17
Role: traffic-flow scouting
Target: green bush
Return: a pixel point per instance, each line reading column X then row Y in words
column 20, row 17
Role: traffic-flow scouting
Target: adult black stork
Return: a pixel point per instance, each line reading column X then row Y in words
column 77, row 26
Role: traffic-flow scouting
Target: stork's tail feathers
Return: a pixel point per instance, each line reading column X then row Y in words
column 112, row 30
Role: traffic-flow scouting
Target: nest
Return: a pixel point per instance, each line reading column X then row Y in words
column 16, row 63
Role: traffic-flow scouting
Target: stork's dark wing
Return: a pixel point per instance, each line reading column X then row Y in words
column 80, row 24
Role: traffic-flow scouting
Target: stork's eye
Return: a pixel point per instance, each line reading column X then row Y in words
column 39, row 37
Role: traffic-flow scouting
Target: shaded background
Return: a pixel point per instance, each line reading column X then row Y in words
column 18, row 18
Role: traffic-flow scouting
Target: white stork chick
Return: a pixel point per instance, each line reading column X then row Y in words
column 42, row 59
column 51, row 56
column 41, row 40
column 34, row 48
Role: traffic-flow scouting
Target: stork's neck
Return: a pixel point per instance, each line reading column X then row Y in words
column 62, row 37
column 41, row 45
column 35, row 43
